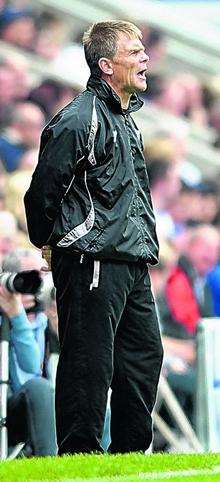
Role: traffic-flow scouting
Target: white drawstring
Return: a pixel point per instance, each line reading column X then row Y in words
column 96, row 273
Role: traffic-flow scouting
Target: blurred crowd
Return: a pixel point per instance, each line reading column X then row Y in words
column 186, row 282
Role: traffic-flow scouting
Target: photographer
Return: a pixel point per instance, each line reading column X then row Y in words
column 30, row 395
column 52, row 339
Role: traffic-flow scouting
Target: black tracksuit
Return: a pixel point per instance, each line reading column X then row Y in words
column 89, row 200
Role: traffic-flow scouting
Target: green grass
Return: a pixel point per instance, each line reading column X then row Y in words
column 106, row 468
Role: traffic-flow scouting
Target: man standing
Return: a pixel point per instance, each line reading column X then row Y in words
column 89, row 201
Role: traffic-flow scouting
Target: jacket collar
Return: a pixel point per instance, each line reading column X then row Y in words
column 104, row 91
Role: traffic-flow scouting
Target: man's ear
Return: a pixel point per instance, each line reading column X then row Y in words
column 106, row 66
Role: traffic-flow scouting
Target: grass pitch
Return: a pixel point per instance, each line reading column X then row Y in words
column 114, row 468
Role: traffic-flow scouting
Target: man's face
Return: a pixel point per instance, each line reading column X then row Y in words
column 129, row 65
column 30, row 127
column 204, row 254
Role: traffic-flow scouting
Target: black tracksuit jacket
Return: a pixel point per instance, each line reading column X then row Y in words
column 90, row 190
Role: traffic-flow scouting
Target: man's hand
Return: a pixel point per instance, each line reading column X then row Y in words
column 28, row 301
column 46, row 254
column 10, row 303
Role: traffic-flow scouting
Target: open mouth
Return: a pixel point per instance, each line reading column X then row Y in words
column 142, row 74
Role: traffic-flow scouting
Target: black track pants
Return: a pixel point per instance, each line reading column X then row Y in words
column 109, row 336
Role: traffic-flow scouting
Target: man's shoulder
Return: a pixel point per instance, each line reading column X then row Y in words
column 74, row 116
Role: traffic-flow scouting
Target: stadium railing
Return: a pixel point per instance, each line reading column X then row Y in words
column 208, row 384
column 4, row 381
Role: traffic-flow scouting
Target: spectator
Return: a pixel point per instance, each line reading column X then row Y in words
column 30, row 396
column 171, row 145
column 160, row 272
column 186, row 291
column 160, row 146
column 210, row 193
column 18, row 65
column 52, row 95
column 14, row 84
column 3, row 180
column 52, row 32
column 22, row 133
column 18, row 27
column 8, row 233
column 182, row 96
column 165, row 185
column 28, row 161
column 155, row 42
column 16, row 184
column 214, row 284
column 211, row 96
column 52, row 338
column 192, row 207
column 7, row 89
column 187, row 298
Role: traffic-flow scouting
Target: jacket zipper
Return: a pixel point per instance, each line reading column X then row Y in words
column 137, row 201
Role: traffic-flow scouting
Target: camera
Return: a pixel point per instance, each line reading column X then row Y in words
column 22, row 282
column 47, row 292
column 30, row 282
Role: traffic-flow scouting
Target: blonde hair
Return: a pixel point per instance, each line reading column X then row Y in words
column 100, row 40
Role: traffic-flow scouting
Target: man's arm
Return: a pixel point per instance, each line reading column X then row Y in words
column 63, row 145
column 61, row 151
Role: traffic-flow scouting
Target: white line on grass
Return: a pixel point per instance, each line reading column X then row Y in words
column 146, row 475
column 178, row 473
